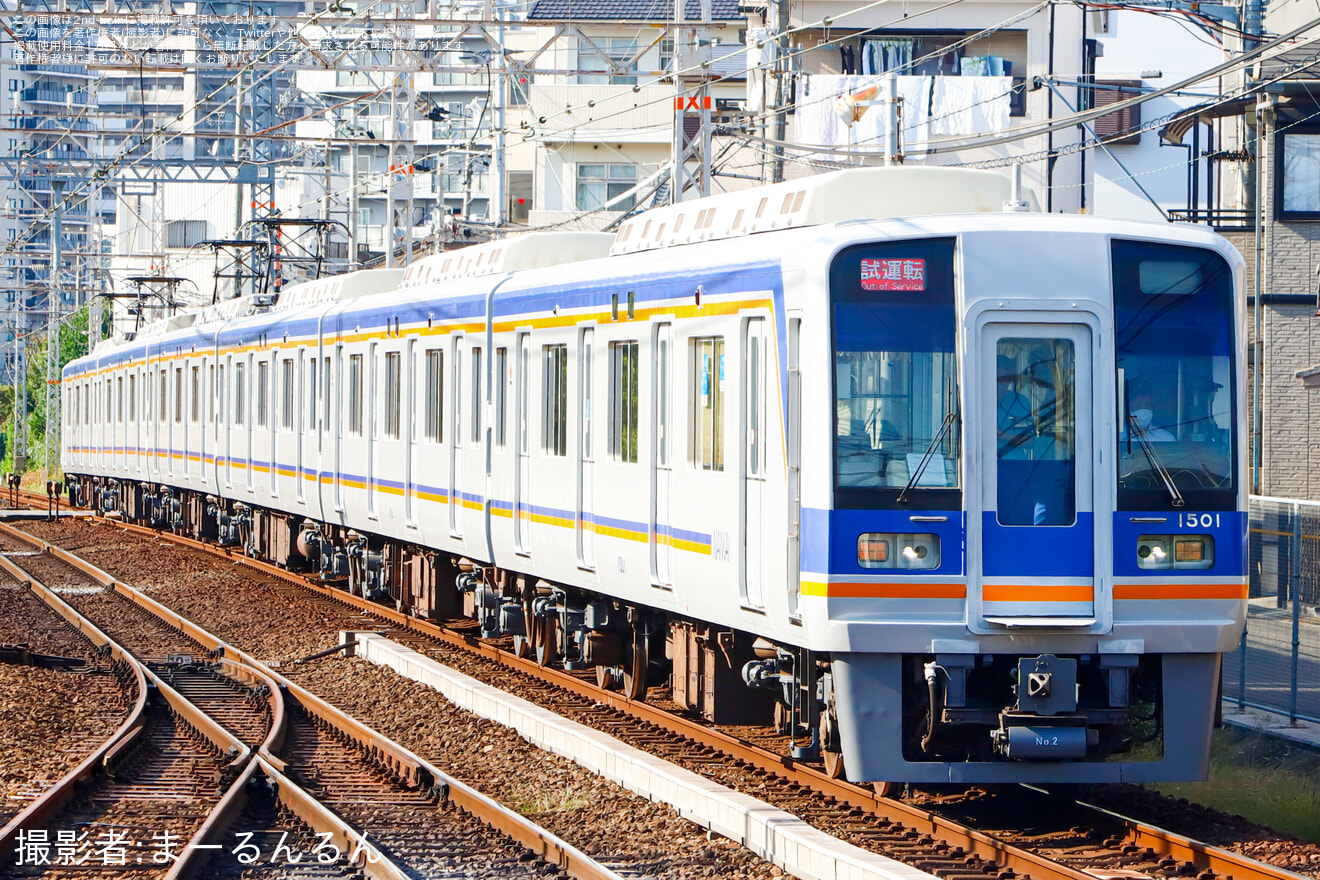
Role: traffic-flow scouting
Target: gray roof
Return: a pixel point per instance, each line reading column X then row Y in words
column 631, row 10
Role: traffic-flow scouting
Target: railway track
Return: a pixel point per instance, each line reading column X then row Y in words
column 220, row 760
column 1048, row 838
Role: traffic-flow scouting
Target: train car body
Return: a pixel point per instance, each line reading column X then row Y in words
column 955, row 494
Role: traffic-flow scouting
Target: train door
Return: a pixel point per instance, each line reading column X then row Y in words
column 1037, row 542
column 339, row 426
column 456, row 437
column 369, row 418
column 793, row 454
column 226, row 419
column 585, row 519
column 522, row 531
column 753, row 443
column 662, row 521
column 410, row 435
column 248, row 417
column 303, row 392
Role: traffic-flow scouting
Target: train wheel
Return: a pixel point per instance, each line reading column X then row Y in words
column 546, row 636
column 635, row 670
column 609, row 678
column 522, row 645
column 830, row 749
column 887, row 789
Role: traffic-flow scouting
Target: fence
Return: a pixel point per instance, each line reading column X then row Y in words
column 1277, row 664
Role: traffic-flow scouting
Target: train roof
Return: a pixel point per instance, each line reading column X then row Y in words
column 536, row 250
column 852, row 194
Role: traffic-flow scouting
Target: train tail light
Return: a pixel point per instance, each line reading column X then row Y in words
column 1165, row 552
column 889, row 550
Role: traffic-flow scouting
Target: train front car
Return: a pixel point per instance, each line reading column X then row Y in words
column 1023, row 537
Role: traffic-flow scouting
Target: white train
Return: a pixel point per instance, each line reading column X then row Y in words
column 952, row 493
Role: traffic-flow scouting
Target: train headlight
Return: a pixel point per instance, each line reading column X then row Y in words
column 1175, row 551
column 884, row 550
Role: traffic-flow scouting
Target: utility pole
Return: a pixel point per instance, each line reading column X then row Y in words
column 402, row 109
column 781, row 74
column 495, row 209
column 53, row 303
column 692, row 100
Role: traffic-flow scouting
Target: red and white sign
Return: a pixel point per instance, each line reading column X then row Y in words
column 893, row 274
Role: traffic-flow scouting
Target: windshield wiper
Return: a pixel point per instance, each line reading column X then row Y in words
column 1149, row 451
column 925, row 459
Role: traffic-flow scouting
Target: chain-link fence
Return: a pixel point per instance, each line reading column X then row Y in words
column 1277, row 664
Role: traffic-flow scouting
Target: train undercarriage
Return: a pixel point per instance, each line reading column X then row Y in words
column 954, row 708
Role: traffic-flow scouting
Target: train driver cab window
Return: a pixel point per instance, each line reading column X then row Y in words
column 708, row 403
column 896, row 428
column 1173, row 317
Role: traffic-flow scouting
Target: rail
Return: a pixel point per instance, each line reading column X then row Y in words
column 404, row 763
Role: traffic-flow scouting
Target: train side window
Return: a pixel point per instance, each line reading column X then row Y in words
column 196, row 389
column 240, row 404
column 311, row 393
column 476, row 395
column 325, row 395
column 218, row 405
column 393, row 385
column 87, row 404
column 119, row 399
column 132, row 398
column 623, row 401
column 263, row 393
column 287, row 408
column 178, row 395
column 435, row 395
column 554, row 421
column 708, row 403
column 355, row 395
column 501, row 387
column 164, row 394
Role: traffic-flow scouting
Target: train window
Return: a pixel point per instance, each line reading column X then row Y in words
column 501, row 386
column 132, row 398
column 554, row 409
column 87, row 405
column 1036, row 432
column 393, row 385
column 287, row 408
column 311, row 393
column 435, row 395
column 476, row 395
column 1174, row 344
column 325, row 394
column 218, row 405
column 355, row 395
column 623, row 401
column 196, row 394
column 119, row 399
column 178, row 395
column 240, row 403
column 263, row 393
column 894, row 326
column 211, row 399
column 708, row 403
column 164, row 394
